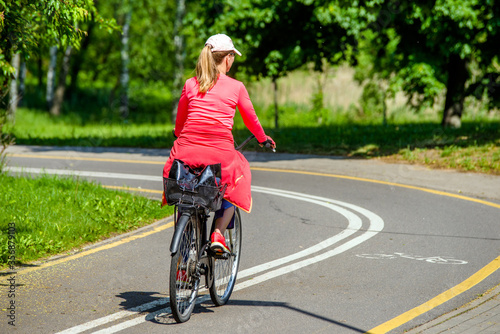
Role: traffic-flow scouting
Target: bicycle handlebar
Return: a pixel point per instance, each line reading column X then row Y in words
column 246, row 141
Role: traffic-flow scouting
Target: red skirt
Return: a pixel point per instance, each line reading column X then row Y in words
column 198, row 149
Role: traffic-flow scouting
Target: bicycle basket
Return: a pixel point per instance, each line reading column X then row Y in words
column 200, row 187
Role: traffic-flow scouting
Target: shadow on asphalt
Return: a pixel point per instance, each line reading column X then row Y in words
column 162, row 314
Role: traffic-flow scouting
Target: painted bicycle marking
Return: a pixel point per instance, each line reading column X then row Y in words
column 430, row 259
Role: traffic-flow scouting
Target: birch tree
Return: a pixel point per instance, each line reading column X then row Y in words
column 124, row 76
column 179, row 55
column 61, row 84
column 13, row 93
column 51, row 77
column 28, row 24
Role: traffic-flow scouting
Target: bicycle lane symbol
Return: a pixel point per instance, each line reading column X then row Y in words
column 430, row 259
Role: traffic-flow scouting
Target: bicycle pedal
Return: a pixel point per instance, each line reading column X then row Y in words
column 221, row 256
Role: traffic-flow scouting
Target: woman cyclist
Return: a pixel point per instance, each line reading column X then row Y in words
column 203, row 129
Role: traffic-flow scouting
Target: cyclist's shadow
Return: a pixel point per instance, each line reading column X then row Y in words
column 155, row 306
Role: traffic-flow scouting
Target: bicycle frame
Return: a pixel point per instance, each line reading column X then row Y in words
column 193, row 258
column 185, row 212
column 188, row 211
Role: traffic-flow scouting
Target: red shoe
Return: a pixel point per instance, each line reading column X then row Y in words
column 182, row 277
column 218, row 244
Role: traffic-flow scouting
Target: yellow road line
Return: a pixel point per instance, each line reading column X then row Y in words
column 439, row 299
column 86, row 159
column 98, row 249
column 135, row 189
column 436, row 192
column 383, row 328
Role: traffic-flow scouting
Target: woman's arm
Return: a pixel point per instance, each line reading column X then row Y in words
column 249, row 116
column 182, row 112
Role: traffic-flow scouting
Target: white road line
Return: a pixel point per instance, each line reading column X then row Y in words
column 376, row 225
column 115, row 316
column 355, row 224
column 69, row 172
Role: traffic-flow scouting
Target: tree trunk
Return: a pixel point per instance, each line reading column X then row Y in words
column 78, row 60
column 455, row 89
column 51, row 77
column 384, row 106
column 13, row 96
column 179, row 56
column 275, row 86
column 61, row 84
column 22, row 82
column 40, row 73
column 124, row 77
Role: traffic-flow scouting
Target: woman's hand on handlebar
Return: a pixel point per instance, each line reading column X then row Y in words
column 269, row 143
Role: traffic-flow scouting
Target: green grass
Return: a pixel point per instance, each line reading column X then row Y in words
column 403, row 139
column 54, row 215
column 36, row 127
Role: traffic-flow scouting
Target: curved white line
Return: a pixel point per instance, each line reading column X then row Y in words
column 355, row 223
column 376, row 225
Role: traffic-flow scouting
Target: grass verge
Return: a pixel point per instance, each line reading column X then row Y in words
column 52, row 215
column 473, row 147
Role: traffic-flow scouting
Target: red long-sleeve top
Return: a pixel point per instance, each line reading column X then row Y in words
column 203, row 127
column 217, row 106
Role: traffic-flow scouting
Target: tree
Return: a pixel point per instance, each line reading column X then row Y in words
column 424, row 47
column 56, row 106
column 149, row 48
column 51, row 77
column 14, row 97
column 277, row 37
column 26, row 25
column 124, row 75
column 180, row 55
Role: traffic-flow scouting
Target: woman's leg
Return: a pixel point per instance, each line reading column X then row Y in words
column 222, row 222
column 222, row 219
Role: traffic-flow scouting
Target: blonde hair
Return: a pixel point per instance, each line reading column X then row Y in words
column 206, row 67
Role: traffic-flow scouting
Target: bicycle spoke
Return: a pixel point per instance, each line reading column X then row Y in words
column 183, row 290
column 225, row 270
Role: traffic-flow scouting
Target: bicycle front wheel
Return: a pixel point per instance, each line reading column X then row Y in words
column 225, row 270
column 184, row 280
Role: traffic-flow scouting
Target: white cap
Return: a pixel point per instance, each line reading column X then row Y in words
column 221, row 42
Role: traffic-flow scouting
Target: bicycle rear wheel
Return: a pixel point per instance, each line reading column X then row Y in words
column 225, row 270
column 184, row 280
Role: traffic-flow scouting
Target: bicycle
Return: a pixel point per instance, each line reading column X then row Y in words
column 191, row 254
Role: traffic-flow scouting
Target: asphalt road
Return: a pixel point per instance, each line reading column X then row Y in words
column 322, row 253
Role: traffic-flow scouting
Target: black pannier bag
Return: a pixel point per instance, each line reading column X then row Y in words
column 199, row 187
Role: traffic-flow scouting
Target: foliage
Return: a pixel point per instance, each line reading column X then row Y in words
column 151, row 46
column 27, row 24
column 275, row 37
column 53, row 215
column 372, row 100
column 418, row 46
column 6, row 138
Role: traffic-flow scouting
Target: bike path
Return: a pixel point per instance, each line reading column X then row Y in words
column 473, row 184
column 480, row 316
